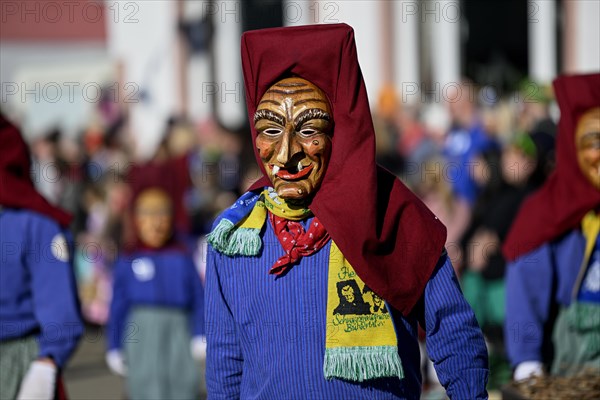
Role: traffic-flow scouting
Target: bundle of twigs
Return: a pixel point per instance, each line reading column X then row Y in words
column 584, row 386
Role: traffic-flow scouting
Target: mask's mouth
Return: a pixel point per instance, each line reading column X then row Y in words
column 292, row 173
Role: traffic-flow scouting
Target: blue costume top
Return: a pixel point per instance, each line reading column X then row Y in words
column 154, row 278
column 539, row 280
column 461, row 147
column 266, row 336
column 38, row 294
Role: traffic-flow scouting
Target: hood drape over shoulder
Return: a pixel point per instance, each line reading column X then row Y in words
column 567, row 195
column 388, row 235
column 16, row 187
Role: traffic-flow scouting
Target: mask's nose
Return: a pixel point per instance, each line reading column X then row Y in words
column 288, row 146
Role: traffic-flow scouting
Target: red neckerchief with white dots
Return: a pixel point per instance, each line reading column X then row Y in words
column 296, row 242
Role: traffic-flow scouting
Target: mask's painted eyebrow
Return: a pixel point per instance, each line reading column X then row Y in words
column 311, row 113
column 290, row 88
column 291, row 84
column 307, row 100
column 269, row 101
column 593, row 135
column 289, row 91
column 270, row 115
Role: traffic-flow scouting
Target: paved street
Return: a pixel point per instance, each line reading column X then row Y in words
column 87, row 376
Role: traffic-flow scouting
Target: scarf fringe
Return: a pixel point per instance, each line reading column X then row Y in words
column 218, row 238
column 244, row 242
column 234, row 242
column 362, row 363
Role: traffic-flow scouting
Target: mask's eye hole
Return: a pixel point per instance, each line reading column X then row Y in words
column 272, row 132
column 308, row 132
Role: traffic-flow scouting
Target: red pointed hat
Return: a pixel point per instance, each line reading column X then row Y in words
column 388, row 235
column 567, row 195
column 16, row 187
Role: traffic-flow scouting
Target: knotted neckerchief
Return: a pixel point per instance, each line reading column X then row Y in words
column 296, row 242
column 361, row 342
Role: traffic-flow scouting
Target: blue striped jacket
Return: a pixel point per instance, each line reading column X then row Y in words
column 266, row 335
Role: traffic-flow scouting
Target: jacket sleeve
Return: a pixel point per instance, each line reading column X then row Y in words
column 119, row 306
column 454, row 340
column 54, row 291
column 224, row 361
column 529, row 283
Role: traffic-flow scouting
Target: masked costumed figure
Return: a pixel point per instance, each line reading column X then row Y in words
column 553, row 279
column 289, row 261
column 156, row 323
column 40, row 323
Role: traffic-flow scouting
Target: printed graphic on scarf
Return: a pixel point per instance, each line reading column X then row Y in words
column 361, row 341
column 351, row 300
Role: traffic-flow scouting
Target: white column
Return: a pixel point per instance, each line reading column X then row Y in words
column 364, row 17
column 199, row 104
column 443, row 16
column 587, row 36
column 407, row 76
column 228, row 84
column 542, row 40
column 143, row 36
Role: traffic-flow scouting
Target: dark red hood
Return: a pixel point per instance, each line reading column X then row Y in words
column 16, row 187
column 391, row 239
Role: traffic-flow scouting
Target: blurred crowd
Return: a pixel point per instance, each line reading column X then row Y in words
column 472, row 155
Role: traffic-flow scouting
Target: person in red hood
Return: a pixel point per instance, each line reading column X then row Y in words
column 40, row 323
column 553, row 278
column 298, row 266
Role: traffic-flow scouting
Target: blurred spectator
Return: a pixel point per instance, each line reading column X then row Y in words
column 412, row 131
column 47, row 172
column 465, row 140
column 388, row 131
column 216, row 168
column 507, row 178
column 534, row 102
column 107, row 225
column 453, row 211
column 156, row 323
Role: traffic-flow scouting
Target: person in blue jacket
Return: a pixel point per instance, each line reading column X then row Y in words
column 156, row 322
column 465, row 141
column 553, row 279
column 40, row 323
column 298, row 265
